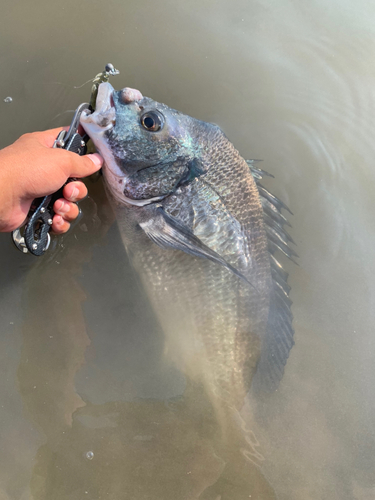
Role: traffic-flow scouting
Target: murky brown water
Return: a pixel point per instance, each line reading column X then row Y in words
column 90, row 407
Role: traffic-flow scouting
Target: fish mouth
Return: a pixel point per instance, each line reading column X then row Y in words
column 104, row 116
column 96, row 124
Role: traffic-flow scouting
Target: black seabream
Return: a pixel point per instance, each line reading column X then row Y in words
column 201, row 231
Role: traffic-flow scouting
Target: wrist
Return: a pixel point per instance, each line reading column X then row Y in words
column 12, row 210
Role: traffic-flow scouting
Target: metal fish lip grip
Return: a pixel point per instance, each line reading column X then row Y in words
column 34, row 236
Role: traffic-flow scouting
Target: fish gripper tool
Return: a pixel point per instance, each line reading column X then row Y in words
column 34, row 236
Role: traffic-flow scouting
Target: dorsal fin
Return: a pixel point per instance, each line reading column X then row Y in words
column 279, row 335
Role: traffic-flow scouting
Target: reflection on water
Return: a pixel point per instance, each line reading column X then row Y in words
column 84, row 367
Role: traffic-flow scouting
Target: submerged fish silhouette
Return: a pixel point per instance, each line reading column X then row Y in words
column 201, row 232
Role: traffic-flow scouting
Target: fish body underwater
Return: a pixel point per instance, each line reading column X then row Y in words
column 201, row 232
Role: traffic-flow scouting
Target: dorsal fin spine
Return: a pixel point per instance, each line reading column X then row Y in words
column 279, row 335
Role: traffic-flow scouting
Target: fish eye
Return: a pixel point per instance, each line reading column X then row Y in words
column 152, row 121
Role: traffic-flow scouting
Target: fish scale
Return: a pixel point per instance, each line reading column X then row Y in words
column 192, row 221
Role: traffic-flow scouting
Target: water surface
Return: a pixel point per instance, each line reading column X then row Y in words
column 90, row 408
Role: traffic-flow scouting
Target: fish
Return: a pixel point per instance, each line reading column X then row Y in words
column 203, row 235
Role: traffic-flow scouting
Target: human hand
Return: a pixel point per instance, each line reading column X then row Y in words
column 30, row 168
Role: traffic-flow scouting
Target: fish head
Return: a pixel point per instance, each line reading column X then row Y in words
column 148, row 148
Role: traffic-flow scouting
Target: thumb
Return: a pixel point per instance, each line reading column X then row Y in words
column 82, row 166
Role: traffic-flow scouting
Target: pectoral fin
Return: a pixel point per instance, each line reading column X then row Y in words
column 167, row 232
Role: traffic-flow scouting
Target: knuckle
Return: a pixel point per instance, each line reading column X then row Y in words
column 27, row 136
column 72, row 162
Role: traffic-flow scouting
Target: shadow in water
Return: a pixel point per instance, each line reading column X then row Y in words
column 113, row 442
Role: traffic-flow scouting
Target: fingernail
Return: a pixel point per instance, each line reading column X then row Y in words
column 96, row 159
column 59, row 204
column 75, row 193
column 58, row 220
column 63, row 207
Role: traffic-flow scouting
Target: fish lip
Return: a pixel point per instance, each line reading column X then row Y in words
column 104, row 115
column 98, row 122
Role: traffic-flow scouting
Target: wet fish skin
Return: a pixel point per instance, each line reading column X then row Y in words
column 155, row 163
column 215, row 314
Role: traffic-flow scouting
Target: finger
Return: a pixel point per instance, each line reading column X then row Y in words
column 75, row 191
column 66, row 162
column 59, row 225
column 48, row 137
column 68, row 210
column 82, row 166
